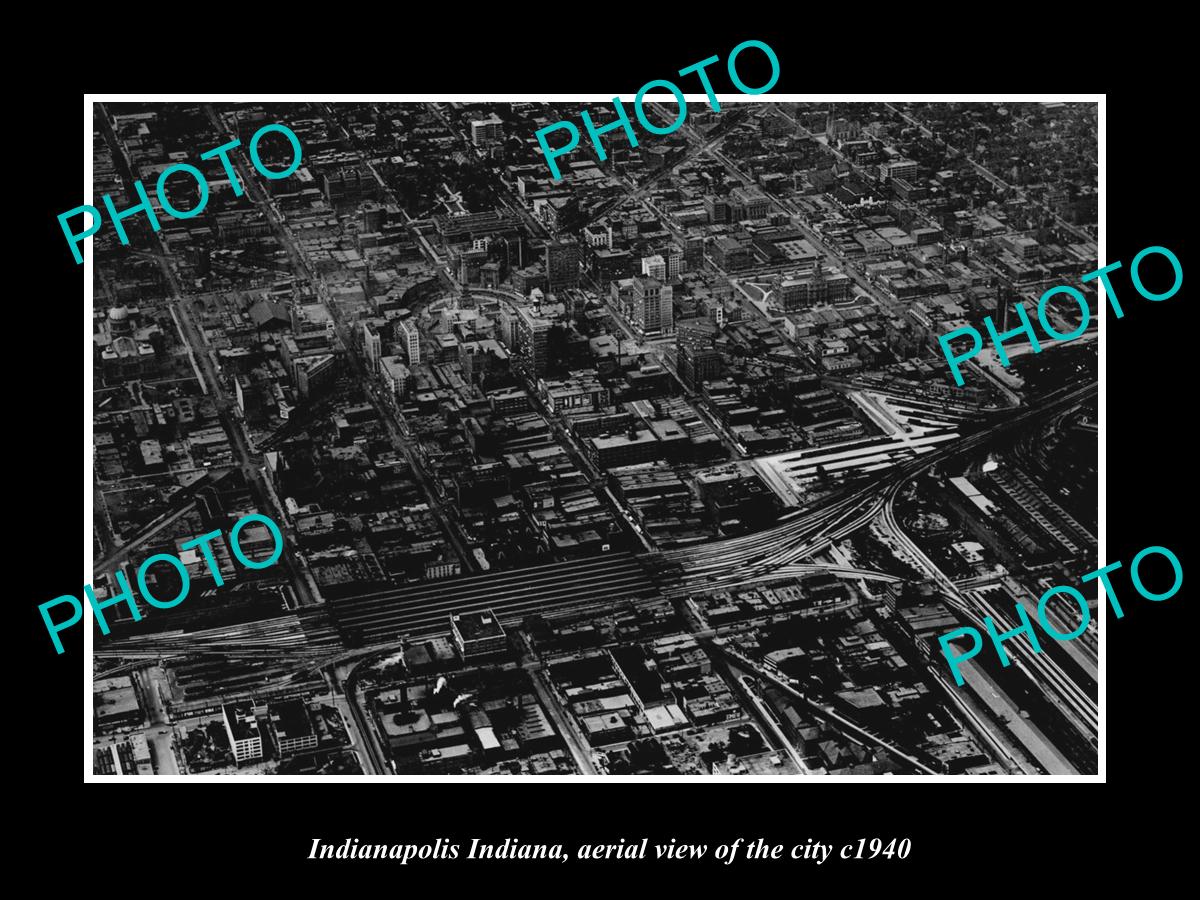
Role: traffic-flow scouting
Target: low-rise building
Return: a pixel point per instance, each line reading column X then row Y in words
column 291, row 727
column 478, row 634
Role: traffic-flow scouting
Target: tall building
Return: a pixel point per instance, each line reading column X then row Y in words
column 489, row 275
column 562, row 265
column 555, row 212
column 313, row 372
column 573, row 304
column 693, row 253
column 699, row 359
column 717, row 209
column 470, row 263
column 410, row 336
column 620, row 297
column 395, row 375
column 532, row 331
column 487, row 131
column 729, row 253
column 655, row 266
column 610, row 265
column 674, row 263
column 242, row 728
column 372, row 345
column 653, row 312
column 372, row 216
column 506, row 328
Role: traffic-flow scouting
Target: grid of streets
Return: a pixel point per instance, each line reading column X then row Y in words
column 656, row 469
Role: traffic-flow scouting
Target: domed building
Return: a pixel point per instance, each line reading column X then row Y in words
column 124, row 347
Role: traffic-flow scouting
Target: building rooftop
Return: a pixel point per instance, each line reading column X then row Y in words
column 113, row 698
column 477, row 626
column 241, row 721
column 290, row 719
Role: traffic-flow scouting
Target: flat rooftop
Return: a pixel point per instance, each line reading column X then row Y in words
column 477, row 626
column 242, row 723
column 290, row 719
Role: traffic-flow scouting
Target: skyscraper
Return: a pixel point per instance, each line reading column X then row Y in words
column 674, row 263
column 655, row 266
column 372, row 344
column 562, row 265
column 532, row 330
column 652, row 313
column 698, row 359
column 487, row 131
column 410, row 337
column 620, row 297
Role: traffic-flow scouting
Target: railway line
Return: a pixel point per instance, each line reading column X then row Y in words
column 510, row 594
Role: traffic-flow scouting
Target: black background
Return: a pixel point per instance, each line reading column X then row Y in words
column 966, row 836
